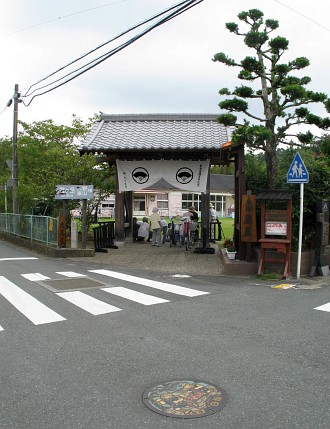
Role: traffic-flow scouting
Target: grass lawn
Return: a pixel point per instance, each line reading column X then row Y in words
column 227, row 224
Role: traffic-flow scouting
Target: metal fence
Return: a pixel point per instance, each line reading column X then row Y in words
column 36, row 228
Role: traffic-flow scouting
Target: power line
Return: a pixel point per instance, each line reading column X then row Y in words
column 65, row 16
column 99, row 47
column 301, row 14
column 174, row 12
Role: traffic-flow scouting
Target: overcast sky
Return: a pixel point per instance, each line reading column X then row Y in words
column 169, row 70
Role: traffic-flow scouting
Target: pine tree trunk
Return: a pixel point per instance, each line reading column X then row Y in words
column 270, row 115
column 271, row 165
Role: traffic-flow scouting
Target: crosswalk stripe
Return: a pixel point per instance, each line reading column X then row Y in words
column 88, row 303
column 17, row 259
column 30, row 307
column 35, row 277
column 71, row 274
column 135, row 296
column 325, row 307
column 166, row 287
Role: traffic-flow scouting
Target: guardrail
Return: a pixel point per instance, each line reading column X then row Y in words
column 35, row 228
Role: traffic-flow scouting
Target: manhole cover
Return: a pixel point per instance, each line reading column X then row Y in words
column 61, row 285
column 185, row 399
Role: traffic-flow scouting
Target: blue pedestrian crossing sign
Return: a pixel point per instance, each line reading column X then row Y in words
column 297, row 172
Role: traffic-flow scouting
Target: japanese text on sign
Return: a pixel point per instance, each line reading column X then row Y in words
column 74, row 192
column 276, row 228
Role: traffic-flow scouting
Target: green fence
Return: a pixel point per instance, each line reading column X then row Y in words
column 35, row 228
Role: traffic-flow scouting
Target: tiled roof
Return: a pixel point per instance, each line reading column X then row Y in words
column 222, row 182
column 275, row 194
column 166, row 132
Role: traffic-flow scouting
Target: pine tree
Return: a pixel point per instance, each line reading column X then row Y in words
column 282, row 94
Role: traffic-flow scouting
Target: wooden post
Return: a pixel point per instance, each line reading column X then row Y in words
column 61, row 238
column 240, row 189
column 205, row 215
column 119, row 215
column 129, row 214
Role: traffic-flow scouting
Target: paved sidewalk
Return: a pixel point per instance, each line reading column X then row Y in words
column 165, row 258
column 176, row 260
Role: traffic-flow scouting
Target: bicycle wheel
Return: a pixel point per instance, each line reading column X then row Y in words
column 186, row 241
column 192, row 238
column 189, row 242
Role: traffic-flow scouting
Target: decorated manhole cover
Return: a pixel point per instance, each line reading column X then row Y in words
column 185, row 399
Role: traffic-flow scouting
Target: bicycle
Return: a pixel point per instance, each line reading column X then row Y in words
column 189, row 234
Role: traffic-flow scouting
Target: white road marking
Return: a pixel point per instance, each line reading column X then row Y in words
column 325, row 307
column 132, row 295
column 34, row 277
column 166, row 287
column 30, row 307
column 70, row 274
column 88, row 303
column 1, row 328
column 180, row 276
column 17, row 259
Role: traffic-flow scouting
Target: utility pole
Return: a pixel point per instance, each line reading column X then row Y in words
column 14, row 166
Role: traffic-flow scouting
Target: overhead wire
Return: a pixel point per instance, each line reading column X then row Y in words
column 301, row 14
column 65, row 16
column 101, row 46
column 176, row 11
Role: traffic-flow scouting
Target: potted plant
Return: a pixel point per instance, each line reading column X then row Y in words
column 230, row 248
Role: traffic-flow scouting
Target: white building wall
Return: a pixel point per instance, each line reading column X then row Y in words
column 175, row 203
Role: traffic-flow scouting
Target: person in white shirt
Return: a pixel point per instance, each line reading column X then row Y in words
column 143, row 231
column 192, row 216
column 156, row 227
column 213, row 213
column 213, row 221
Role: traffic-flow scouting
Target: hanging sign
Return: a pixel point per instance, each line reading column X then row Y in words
column 248, row 219
column 190, row 176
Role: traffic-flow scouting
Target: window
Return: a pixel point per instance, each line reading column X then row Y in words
column 162, row 201
column 191, row 200
column 219, row 202
column 139, row 204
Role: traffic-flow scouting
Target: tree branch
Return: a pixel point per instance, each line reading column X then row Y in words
column 254, row 117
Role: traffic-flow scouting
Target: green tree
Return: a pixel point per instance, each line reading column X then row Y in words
column 5, row 172
column 255, row 171
column 283, row 96
column 317, row 161
column 48, row 156
column 222, row 169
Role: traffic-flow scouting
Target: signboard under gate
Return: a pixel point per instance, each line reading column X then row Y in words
column 74, row 192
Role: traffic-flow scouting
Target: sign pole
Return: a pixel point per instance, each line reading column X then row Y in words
column 298, row 173
column 300, row 228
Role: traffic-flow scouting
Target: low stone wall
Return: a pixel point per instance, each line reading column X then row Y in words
column 234, row 267
column 47, row 250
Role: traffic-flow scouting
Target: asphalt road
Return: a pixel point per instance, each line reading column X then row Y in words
column 65, row 368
